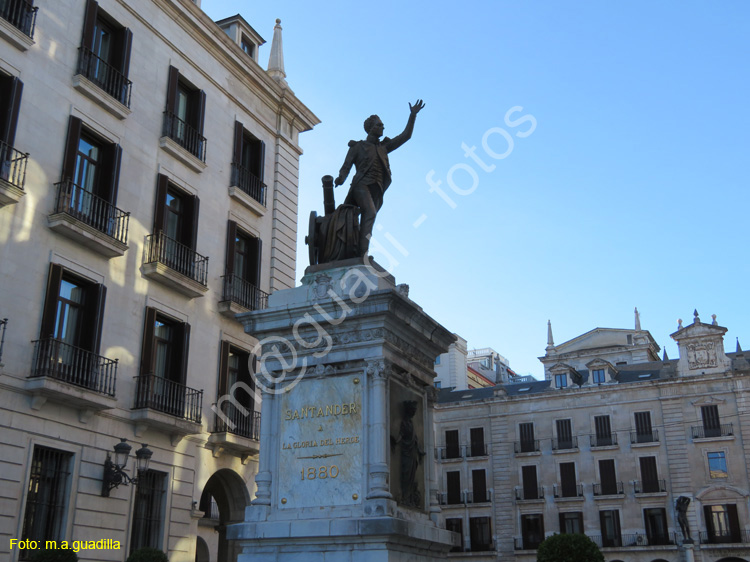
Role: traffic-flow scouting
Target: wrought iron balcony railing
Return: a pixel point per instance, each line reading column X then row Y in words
column 13, row 165
column 527, row 543
column 646, row 437
column 527, row 446
column 565, row 444
column 169, row 397
column 725, row 537
column 185, row 135
column 244, row 293
column 649, row 486
column 449, row 452
column 613, row 489
column 575, row 491
column 249, row 183
column 92, row 210
column 525, row 495
column 104, row 75
column 477, row 449
column 603, row 440
column 723, row 430
column 608, row 541
column 481, row 547
column 67, row 363
column 162, row 249
column 20, row 14
column 239, row 424
column 474, row 497
column 448, row 498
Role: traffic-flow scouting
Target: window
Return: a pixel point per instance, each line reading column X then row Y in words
column 598, row 376
column 711, row 422
column 564, row 431
column 608, row 477
column 568, row 484
column 457, row 526
column 532, row 530
column 610, row 527
column 561, row 380
column 478, row 447
column 247, row 46
column 479, row 486
column 70, row 334
column 452, row 448
column 184, row 115
column 649, row 476
column 603, row 430
column 248, row 163
column 454, row 486
column 89, row 181
column 47, row 495
column 104, row 57
column 243, row 266
column 234, row 369
column 571, row 522
column 437, row 360
column 438, row 384
column 526, row 432
column 722, row 523
column 717, row 464
column 20, row 14
column 480, row 534
column 530, row 483
column 12, row 162
column 655, row 521
column 148, row 511
column 643, row 431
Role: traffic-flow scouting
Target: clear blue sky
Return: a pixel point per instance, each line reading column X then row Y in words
column 631, row 191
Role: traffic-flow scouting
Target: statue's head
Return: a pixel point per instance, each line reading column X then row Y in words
column 410, row 408
column 374, row 126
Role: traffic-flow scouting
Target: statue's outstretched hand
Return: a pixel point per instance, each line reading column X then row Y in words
column 338, row 181
column 417, row 107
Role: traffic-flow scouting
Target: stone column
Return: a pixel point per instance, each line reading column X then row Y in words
column 263, row 478
column 378, row 371
column 431, row 394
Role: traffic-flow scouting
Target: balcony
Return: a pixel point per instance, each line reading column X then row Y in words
column 570, row 492
column 183, row 142
column 12, row 174
column 529, row 495
column 638, row 438
column 240, row 296
column 567, row 444
column 474, row 497
column 633, row 540
column 724, row 537
column 248, row 189
column 89, row 220
column 614, row 489
column 477, row 449
column 64, row 373
column 17, row 22
column 603, row 440
column 96, row 76
column 614, row 541
column 527, row 446
column 649, row 486
column 236, row 432
column 527, row 543
column 451, row 498
column 166, row 406
column 450, row 452
column 175, row 265
column 482, row 547
column 723, row 430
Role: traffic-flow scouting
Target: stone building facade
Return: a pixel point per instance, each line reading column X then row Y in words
column 148, row 192
column 605, row 446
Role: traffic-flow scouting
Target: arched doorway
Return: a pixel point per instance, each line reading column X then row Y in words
column 223, row 501
column 732, row 559
column 201, row 551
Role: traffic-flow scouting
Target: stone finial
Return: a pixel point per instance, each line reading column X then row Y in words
column 276, row 59
column 550, row 341
column 713, row 320
column 696, row 318
column 679, row 323
column 637, row 320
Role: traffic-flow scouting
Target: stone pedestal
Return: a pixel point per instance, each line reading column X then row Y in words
column 346, row 468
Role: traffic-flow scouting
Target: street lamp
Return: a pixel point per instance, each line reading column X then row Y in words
column 114, row 471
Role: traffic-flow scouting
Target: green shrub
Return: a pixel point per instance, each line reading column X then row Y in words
column 59, row 555
column 148, row 555
column 569, row 548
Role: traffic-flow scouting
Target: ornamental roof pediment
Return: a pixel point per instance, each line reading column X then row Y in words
column 699, row 330
column 600, row 364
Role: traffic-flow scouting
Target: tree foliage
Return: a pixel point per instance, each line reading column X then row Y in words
column 569, row 548
column 148, row 555
column 57, row 555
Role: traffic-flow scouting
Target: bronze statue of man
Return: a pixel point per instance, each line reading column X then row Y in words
column 373, row 176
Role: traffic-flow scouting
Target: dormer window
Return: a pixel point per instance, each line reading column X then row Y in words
column 561, row 380
column 248, row 46
column 598, row 376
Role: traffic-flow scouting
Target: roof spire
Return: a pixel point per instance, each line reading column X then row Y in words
column 276, row 59
column 637, row 320
column 666, row 357
column 550, row 341
column 739, row 349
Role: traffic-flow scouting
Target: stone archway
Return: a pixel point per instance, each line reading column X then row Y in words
column 201, row 551
column 732, row 559
column 224, row 499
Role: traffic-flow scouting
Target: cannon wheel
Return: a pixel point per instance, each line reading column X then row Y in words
column 312, row 238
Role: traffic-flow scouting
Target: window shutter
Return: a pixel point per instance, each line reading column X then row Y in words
column 162, row 184
column 530, row 485
column 479, row 485
column 200, row 109
column 147, row 347
column 71, row 148
column 49, row 315
column 259, row 257
column 183, row 349
column 223, row 368
column 11, row 89
column 192, row 239
column 643, row 423
column 126, row 43
column 99, row 294
column 173, row 78
column 231, row 238
column 262, row 162
column 110, row 173
column 710, row 415
column 734, row 522
column 709, row 520
column 561, row 517
column 89, row 24
column 608, row 476
column 238, row 134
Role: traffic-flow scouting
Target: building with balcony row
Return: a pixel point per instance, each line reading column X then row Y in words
column 604, row 446
column 148, row 192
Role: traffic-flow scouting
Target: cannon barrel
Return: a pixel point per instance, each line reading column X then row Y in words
column 329, row 204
